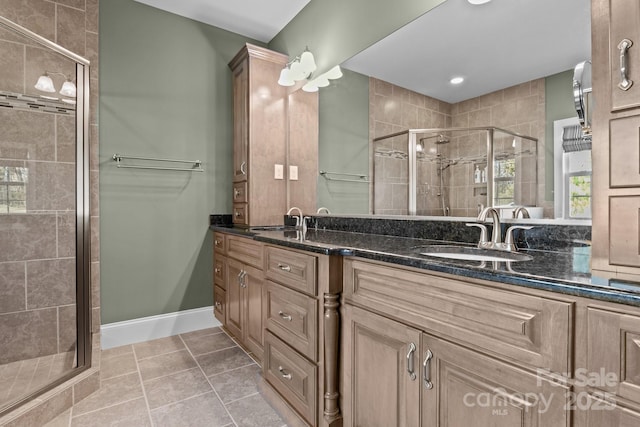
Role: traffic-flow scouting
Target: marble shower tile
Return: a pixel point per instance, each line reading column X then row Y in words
column 51, row 186
column 12, row 287
column 28, row 334
column 78, row 4
column 66, row 223
column 51, row 283
column 70, row 29
column 67, row 328
column 36, row 15
column 27, row 135
column 65, row 138
column 12, row 66
column 92, row 15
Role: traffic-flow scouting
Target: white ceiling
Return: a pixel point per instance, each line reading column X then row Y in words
column 495, row 45
column 258, row 19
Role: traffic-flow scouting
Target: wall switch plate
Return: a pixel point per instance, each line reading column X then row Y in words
column 278, row 172
column 293, row 173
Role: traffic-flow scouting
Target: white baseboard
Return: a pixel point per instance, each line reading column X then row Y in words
column 154, row 327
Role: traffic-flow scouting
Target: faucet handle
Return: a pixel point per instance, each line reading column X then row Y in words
column 508, row 238
column 483, row 231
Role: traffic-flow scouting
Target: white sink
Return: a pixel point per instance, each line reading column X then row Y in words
column 471, row 253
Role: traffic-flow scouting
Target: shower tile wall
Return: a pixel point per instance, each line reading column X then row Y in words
column 393, row 109
column 519, row 108
column 37, row 247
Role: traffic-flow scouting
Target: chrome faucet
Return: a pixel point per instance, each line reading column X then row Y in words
column 301, row 222
column 323, row 209
column 496, row 234
column 518, row 210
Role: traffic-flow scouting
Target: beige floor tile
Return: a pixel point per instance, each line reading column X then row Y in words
column 207, row 343
column 117, row 365
column 254, row 411
column 166, row 364
column 223, row 360
column 158, row 347
column 127, row 414
column 116, row 351
column 112, row 392
column 61, row 420
column 204, row 410
column 238, row 383
column 173, row 388
column 201, row 332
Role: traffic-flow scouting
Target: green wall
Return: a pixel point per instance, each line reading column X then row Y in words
column 344, row 143
column 165, row 91
column 558, row 105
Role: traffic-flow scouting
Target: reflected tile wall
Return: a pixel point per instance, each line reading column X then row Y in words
column 37, row 249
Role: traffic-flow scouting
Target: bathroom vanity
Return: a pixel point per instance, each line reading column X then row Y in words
column 429, row 341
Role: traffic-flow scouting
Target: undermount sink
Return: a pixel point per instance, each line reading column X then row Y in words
column 270, row 228
column 470, row 253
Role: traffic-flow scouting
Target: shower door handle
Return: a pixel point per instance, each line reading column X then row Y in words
column 625, row 82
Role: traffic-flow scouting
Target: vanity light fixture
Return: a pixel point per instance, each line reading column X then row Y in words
column 45, row 84
column 302, row 68
column 323, row 79
column 456, row 80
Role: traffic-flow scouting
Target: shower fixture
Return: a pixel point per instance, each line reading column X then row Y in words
column 45, row 84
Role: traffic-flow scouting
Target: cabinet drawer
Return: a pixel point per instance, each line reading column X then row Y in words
column 292, row 375
column 245, row 250
column 293, row 316
column 624, row 244
column 625, row 152
column 613, row 346
column 240, row 214
column 526, row 328
column 240, row 192
column 219, row 304
column 219, row 270
column 219, row 243
column 294, row 269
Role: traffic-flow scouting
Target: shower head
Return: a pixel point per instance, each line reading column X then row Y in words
column 442, row 139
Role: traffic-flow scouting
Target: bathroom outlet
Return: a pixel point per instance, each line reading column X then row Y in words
column 278, row 172
column 293, row 173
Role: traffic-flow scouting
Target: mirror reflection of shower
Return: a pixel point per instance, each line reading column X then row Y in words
column 443, row 164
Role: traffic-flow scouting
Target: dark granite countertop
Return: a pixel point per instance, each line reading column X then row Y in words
column 565, row 271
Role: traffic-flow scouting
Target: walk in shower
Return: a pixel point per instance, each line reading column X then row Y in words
column 453, row 171
column 44, row 215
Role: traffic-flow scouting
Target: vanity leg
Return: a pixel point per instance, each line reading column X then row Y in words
column 331, row 340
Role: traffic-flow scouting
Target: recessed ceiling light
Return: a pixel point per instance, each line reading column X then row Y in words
column 478, row 1
column 456, row 80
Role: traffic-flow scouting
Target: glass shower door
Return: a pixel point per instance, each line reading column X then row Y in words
column 43, row 270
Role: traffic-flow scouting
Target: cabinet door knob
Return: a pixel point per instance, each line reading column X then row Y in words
column 410, row 370
column 285, row 374
column 285, row 316
column 236, row 193
column 284, row 267
column 625, row 82
column 425, row 370
column 218, row 305
column 217, row 270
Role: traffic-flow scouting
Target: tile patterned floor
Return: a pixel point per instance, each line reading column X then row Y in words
column 201, row 378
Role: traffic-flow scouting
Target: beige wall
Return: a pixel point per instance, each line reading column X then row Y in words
column 520, row 108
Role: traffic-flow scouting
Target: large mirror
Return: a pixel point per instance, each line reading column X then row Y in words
column 517, row 60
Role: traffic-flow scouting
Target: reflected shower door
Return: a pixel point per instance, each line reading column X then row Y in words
column 39, row 216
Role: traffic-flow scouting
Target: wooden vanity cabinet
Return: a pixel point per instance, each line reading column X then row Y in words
column 242, row 288
column 422, row 349
column 259, row 136
column 219, row 276
column 616, row 139
column 301, row 338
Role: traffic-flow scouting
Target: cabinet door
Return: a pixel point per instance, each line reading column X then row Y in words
column 240, row 121
column 234, row 308
column 254, row 320
column 600, row 414
column 378, row 356
column 625, row 25
column 461, row 387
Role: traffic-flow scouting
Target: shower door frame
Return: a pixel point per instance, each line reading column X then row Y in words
column 412, row 169
column 83, row 224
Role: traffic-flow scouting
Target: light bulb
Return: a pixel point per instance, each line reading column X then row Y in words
column 297, row 72
column 310, row 87
column 334, row 73
column 285, row 77
column 307, row 62
column 45, row 84
column 320, row 81
column 456, row 80
column 68, row 89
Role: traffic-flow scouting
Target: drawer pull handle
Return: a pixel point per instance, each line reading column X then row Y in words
column 243, row 169
column 425, row 370
column 241, row 277
column 285, row 316
column 410, row 370
column 284, row 267
column 285, row 374
column 625, row 82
